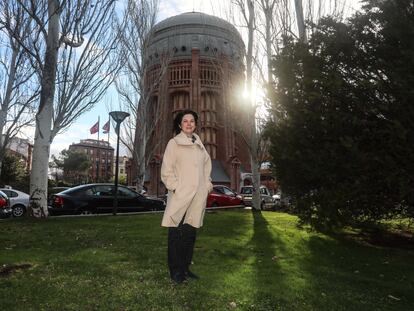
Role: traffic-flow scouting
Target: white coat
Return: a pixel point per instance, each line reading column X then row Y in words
column 185, row 172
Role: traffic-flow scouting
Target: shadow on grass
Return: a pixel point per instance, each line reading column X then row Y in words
column 219, row 258
column 226, row 242
column 267, row 248
column 378, row 237
column 344, row 274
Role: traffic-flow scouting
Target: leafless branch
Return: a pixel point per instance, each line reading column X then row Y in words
column 85, row 70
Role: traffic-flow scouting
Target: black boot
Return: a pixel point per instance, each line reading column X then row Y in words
column 189, row 275
column 189, row 238
column 175, row 250
column 178, row 277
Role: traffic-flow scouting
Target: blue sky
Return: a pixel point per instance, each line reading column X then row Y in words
column 80, row 129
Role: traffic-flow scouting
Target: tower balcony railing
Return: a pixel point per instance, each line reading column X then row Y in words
column 210, row 75
column 179, row 75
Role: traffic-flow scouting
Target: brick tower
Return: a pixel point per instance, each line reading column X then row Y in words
column 195, row 61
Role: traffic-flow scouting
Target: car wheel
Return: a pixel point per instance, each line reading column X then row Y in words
column 262, row 206
column 214, row 204
column 18, row 210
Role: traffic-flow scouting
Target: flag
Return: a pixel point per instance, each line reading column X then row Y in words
column 95, row 129
column 106, row 127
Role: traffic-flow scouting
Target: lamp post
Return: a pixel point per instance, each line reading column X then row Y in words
column 118, row 117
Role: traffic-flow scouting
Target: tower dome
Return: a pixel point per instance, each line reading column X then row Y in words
column 211, row 35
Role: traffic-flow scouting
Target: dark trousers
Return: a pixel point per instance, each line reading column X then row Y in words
column 181, row 242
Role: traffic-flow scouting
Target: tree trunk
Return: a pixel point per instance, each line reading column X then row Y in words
column 253, row 133
column 5, row 104
column 254, row 162
column 41, row 149
column 139, row 149
column 3, row 116
column 140, row 174
column 268, row 16
column 300, row 21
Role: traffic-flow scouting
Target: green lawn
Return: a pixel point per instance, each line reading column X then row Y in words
column 246, row 261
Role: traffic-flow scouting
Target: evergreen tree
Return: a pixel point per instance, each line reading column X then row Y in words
column 14, row 172
column 74, row 164
column 341, row 124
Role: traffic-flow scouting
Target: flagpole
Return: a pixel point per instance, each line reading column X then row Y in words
column 93, row 130
column 107, row 179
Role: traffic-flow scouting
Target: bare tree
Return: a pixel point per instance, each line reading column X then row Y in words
column 41, row 150
column 300, row 20
column 264, row 26
column 246, row 9
column 137, row 82
column 270, row 33
column 81, row 79
column 18, row 90
column 85, row 73
column 307, row 13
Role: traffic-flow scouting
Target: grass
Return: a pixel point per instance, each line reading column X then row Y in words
column 246, row 261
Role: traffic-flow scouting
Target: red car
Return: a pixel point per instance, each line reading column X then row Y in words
column 5, row 209
column 223, row 196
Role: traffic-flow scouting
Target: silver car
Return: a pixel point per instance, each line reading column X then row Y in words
column 19, row 201
column 266, row 200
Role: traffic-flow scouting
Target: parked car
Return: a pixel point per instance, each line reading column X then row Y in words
column 52, row 191
column 282, row 200
column 266, row 200
column 99, row 198
column 19, row 201
column 276, row 198
column 5, row 209
column 223, row 196
column 143, row 191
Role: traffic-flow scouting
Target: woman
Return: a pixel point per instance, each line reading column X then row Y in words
column 185, row 171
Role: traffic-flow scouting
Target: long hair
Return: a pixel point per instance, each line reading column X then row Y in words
column 179, row 117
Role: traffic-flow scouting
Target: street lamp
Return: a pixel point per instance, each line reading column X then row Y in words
column 118, row 117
